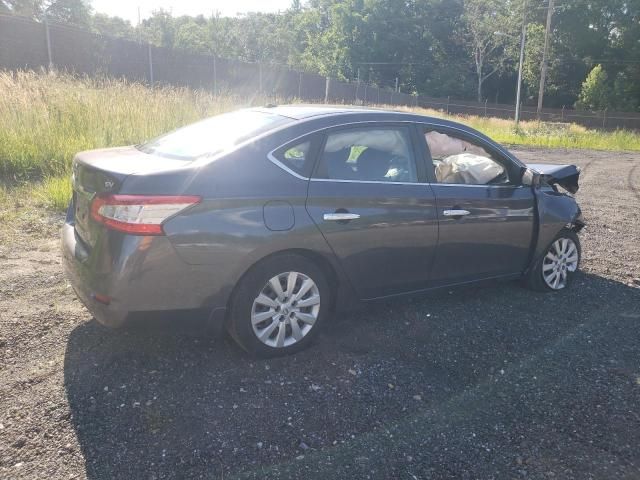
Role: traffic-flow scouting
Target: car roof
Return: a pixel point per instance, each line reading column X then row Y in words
column 301, row 112
column 308, row 112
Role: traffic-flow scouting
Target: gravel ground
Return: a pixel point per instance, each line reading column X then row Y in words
column 484, row 382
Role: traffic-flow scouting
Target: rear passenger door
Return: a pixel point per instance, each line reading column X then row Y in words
column 370, row 199
column 485, row 213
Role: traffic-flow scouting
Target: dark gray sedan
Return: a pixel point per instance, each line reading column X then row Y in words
column 269, row 219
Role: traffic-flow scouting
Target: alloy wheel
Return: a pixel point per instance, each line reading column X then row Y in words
column 286, row 309
column 560, row 260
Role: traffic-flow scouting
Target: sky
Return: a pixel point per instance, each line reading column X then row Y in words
column 128, row 9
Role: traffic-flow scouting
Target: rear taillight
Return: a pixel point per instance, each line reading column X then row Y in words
column 138, row 214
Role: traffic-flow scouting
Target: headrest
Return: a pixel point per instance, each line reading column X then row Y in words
column 373, row 164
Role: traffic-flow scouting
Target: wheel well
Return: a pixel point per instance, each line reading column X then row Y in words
column 318, row 259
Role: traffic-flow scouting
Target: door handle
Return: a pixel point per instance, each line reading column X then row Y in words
column 340, row 216
column 455, row 213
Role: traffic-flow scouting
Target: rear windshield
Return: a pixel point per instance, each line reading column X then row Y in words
column 213, row 135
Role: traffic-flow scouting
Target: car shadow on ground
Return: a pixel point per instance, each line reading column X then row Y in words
column 162, row 401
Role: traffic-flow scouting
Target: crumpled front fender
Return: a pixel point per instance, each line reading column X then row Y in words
column 555, row 212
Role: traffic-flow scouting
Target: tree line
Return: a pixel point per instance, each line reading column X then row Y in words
column 457, row 48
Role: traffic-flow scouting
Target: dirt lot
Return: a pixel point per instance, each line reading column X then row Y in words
column 485, row 382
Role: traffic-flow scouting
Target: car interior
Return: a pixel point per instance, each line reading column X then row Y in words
column 368, row 155
column 458, row 161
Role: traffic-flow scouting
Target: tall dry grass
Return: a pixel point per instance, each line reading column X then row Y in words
column 46, row 118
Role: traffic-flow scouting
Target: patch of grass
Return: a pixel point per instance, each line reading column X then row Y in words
column 53, row 192
column 21, row 211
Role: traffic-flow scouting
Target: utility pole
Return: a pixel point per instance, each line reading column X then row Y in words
column 139, row 31
column 543, row 67
column 523, row 40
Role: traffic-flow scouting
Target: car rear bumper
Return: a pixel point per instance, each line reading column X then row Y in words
column 76, row 265
column 127, row 274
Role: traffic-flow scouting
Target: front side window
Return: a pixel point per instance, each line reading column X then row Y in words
column 213, row 135
column 459, row 161
column 377, row 154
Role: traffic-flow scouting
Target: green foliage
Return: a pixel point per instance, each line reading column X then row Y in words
column 490, row 27
column 595, row 93
column 434, row 47
column 72, row 12
column 53, row 192
column 114, row 26
column 193, row 37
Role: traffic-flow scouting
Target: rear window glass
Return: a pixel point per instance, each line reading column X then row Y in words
column 213, row 135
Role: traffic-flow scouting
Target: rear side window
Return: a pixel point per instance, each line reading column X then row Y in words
column 373, row 154
column 213, row 135
column 298, row 156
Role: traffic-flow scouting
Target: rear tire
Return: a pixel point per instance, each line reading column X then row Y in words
column 279, row 306
column 557, row 265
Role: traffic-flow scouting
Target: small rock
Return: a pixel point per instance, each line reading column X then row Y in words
column 19, row 443
column 259, row 445
column 417, row 397
column 300, row 457
column 352, row 371
column 315, row 387
column 390, row 385
column 303, row 446
column 106, row 389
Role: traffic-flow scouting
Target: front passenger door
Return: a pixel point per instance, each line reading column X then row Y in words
column 485, row 214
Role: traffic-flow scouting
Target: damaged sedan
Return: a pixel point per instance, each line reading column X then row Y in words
column 269, row 219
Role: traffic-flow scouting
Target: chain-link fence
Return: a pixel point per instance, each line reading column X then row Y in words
column 29, row 45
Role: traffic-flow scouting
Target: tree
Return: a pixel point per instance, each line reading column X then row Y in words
column 27, row 8
column 113, row 26
column 193, row 37
column 595, row 93
column 72, row 12
column 159, row 29
column 490, row 29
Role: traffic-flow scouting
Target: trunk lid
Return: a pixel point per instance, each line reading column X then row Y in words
column 564, row 175
column 104, row 170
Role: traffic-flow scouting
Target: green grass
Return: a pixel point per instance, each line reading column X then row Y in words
column 46, row 118
column 543, row 134
column 53, row 192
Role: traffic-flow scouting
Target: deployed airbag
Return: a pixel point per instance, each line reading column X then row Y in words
column 386, row 140
column 467, row 168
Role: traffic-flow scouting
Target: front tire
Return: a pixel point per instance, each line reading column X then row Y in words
column 554, row 270
column 279, row 306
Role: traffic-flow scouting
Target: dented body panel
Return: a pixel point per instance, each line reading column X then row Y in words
column 555, row 211
column 564, row 175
